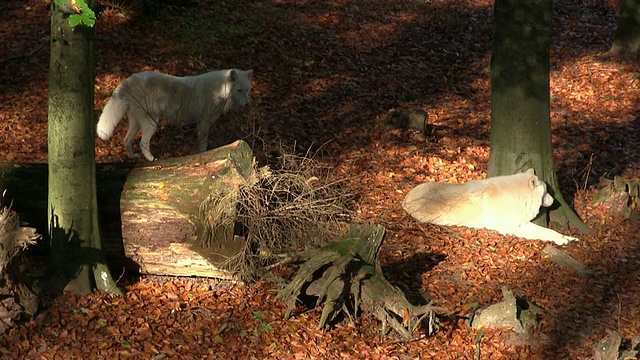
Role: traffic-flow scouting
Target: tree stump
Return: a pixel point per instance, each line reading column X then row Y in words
column 348, row 277
column 621, row 197
column 614, row 347
column 17, row 301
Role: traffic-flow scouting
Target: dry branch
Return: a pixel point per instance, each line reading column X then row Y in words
column 562, row 258
column 277, row 211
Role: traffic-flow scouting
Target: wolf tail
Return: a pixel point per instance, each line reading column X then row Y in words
column 112, row 113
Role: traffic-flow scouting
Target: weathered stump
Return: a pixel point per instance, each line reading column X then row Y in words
column 614, row 347
column 348, row 277
column 17, row 301
column 621, row 197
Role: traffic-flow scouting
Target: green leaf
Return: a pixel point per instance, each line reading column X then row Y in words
column 88, row 21
column 257, row 315
column 266, row 327
column 75, row 20
column 86, row 17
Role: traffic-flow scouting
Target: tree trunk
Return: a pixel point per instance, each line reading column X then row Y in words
column 626, row 40
column 520, row 120
column 76, row 256
column 149, row 213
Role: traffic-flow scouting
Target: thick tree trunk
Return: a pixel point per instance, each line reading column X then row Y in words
column 149, row 212
column 76, row 256
column 626, row 40
column 520, row 120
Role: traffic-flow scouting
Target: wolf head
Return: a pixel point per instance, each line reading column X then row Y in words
column 539, row 187
column 241, row 87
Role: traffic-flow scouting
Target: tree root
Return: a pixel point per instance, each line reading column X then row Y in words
column 347, row 276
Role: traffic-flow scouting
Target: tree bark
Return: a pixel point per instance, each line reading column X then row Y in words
column 520, row 118
column 148, row 212
column 626, row 40
column 76, row 257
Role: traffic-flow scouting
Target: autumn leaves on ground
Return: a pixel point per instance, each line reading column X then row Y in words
column 326, row 75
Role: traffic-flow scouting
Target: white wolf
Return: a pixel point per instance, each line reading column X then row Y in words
column 145, row 97
column 506, row 204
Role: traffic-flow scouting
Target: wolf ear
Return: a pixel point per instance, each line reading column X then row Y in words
column 530, row 171
column 233, row 74
column 534, row 182
column 249, row 74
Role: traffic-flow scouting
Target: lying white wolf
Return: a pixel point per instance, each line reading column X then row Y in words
column 145, row 97
column 506, row 204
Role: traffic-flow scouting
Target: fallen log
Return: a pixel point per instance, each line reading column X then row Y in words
column 149, row 212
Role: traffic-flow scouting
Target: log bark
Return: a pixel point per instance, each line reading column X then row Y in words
column 149, row 212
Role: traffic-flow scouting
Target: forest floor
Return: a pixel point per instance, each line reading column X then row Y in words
column 326, row 74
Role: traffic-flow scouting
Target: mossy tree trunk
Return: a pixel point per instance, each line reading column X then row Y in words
column 626, row 40
column 76, row 256
column 520, row 118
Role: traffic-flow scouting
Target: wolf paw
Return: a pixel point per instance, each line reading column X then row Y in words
column 565, row 239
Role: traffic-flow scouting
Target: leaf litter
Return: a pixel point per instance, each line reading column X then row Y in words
column 327, row 74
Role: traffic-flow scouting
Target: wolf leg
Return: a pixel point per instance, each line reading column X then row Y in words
column 532, row 231
column 149, row 127
column 202, row 128
column 128, row 139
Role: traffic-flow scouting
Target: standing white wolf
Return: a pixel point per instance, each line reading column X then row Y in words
column 506, row 204
column 145, row 97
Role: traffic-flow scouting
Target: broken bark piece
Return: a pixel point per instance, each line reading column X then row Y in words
column 609, row 347
column 612, row 347
column 514, row 313
column 561, row 258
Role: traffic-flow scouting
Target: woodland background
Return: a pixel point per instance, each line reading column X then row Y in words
column 327, row 73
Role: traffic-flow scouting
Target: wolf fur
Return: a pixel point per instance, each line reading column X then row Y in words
column 506, row 204
column 146, row 96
